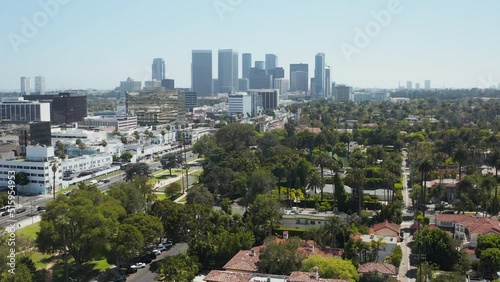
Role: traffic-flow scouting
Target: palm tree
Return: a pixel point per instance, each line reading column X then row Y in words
column 315, row 181
column 494, row 161
column 460, row 155
column 487, row 185
column 424, row 167
column 322, row 160
column 163, row 135
column 280, row 172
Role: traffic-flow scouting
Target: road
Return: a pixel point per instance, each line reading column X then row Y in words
column 149, row 274
column 407, row 273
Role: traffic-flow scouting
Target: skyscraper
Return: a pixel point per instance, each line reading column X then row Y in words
column 246, row 65
column 271, row 62
column 25, row 86
column 409, row 85
column 427, row 85
column 417, row 86
column 201, row 72
column 261, row 65
column 299, row 77
column 260, row 79
column 40, row 85
column 328, row 84
column 158, row 69
column 319, row 75
column 228, row 71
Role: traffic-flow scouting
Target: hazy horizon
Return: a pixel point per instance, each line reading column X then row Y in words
column 95, row 45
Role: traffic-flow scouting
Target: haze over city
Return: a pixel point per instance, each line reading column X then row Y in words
column 96, row 44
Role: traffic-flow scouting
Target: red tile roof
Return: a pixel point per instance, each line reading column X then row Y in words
column 226, row 276
column 386, row 224
column 475, row 225
column 299, row 276
column 243, row 261
column 379, row 267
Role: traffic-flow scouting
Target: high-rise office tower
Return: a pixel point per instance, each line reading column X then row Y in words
column 427, row 85
column 243, row 84
column 40, row 85
column 417, row 86
column 344, row 93
column 299, row 77
column 215, row 86
column 282, row 85
column 228, row 71
column 271, row 62
column 129, row 85
column 261, row 65
column 201, row 72
column 409, row 85
column 158, row 69
column 319, row 75
column 25, row 86
column 328, row 92
column 260, row 79
column 246, row 65
column 168, row 84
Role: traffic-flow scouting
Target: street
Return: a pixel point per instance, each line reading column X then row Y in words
column 407, row 273
column 149, row 274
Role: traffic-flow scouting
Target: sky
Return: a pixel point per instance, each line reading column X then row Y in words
column 79, row 44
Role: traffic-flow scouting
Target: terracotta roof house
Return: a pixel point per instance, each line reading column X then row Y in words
column 388, row 270
column 227, row 276
column 385, row 228
column 244, row 261
column 299, row 276
column 468, row 227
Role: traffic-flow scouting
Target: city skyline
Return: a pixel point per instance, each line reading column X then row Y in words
column 453, row 44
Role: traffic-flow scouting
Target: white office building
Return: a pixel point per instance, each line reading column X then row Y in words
column 25, row 86
column 38, row 167
column 88, row 162
column 40, row 85
column 283, row 86
column 129, row 85
column 152, row 84
column 240, row 103
column 16, row 109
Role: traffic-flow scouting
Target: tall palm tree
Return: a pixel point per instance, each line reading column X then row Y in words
column 494, row 161
column 424, row 167
column 280, row 172
column 487, row 185
column 460, row 155
column 322, row 160
column 315, row 181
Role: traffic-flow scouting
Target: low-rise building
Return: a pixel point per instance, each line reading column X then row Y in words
column 388, row 243
column 38, row 167
column 467, row 228
column 386, row 228
column 384, row 269
column 87, row 162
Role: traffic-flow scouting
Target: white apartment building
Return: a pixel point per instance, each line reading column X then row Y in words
column 88, row 162
column 16, row 109
column 239, row 103
column 38, row 167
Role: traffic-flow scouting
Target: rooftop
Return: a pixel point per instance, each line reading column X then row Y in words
column 379, row 267
column 299, row 276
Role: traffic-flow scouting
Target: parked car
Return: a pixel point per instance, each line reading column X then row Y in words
column 106, row 180
column 146, row 259
column 168, row 244
column 152, row 255
column 157, row 251
column 138, row 265
column 100, row 183
column 7, row 212
column 161, row 247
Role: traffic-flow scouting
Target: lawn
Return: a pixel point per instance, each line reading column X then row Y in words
column 30, row 231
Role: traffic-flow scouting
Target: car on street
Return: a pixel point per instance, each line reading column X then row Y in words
column 161, row 247
column 7, row 212
column 100, row 183
column 156, row 251
column 168, row 244
column 138, row 265
column 106, row 180
column 21, row 210
column 40, row 208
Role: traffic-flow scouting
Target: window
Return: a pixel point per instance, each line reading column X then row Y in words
column 312, row 222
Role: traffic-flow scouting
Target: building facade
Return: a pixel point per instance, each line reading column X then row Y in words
column 158, row 69
column 239, row 103
column 25, row 86
column 299, row 77
column 129, row 85
column 246, row 65
column 271, row 62
column 319, row 75
column 18, row 110
column 40, row 85
column 344, row 93
column 228, row 71
column 201, row 72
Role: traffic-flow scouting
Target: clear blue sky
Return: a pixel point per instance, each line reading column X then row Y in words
column 95, row 44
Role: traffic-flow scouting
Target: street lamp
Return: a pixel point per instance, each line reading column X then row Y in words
column 54, row 169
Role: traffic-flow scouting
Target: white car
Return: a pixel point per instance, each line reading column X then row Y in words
column 156, row 252
column 138, row 265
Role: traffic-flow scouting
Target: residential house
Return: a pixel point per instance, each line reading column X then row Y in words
column 384, row 269
column 467, row 227
column 388, row 243
column 386, row 228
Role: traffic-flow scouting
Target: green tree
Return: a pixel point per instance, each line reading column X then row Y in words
column 126, row 243
column 172, row 189
column 263, row 215
column 489, row 263
column 225, row 205
column 448, row 277
column 315, row 182
column 333, row 268
column 340, row 194
column 487, row 241
column 261, row 181
column 200, row 195
column 139, row 169
column 169, row 162
column 126, row 156
column 280, row 257
column 21, row 179
column 205, row 146
column 396, row 256
column 438, row 246
column 92, row 219
column 178, row 268
column 124, row 140
column 151, row 227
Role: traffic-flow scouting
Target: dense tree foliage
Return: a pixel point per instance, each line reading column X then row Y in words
column 332, row 267
column 280, row 257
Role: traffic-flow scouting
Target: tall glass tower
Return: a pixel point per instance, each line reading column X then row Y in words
column 201, row 72
column 319, row 75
